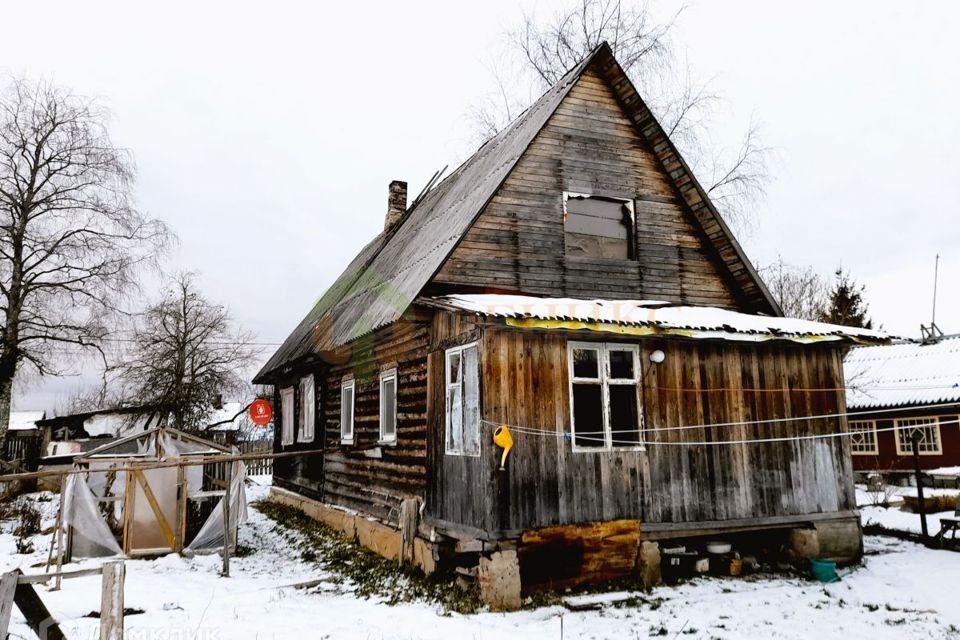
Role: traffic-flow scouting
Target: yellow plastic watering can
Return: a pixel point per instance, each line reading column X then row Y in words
column 503, row 439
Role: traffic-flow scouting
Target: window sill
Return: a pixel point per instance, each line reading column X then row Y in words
column 461, row 454
column 637, row 449
column 387, row 443
column 348, row 442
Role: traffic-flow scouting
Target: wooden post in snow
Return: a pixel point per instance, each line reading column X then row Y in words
column 8, row 586
column 60, row 549
column 111, row 601
column 915, row 441
column 56, row 528
column 226, row 521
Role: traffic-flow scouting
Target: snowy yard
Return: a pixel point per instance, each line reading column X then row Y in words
column 893, row 517
column 902, row 590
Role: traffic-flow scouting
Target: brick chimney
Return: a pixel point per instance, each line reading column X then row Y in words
column 396, row 204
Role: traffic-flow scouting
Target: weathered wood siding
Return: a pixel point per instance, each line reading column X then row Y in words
column 525, row 382
column 370, row 477
column 589, row 146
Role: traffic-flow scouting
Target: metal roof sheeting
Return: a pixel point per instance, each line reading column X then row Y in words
column 904, row 374
column 694, row 322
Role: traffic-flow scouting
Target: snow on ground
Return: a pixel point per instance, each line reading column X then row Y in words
column 893, row 517
column 902, row 590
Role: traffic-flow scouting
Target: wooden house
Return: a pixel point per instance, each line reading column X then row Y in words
column 573, row 281
column 903, row 390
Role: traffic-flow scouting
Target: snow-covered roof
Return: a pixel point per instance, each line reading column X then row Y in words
column 25, row 420
column 903, row 374
column 656, row 317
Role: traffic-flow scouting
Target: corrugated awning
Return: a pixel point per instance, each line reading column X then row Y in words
column 650, row 317
column 906, row 374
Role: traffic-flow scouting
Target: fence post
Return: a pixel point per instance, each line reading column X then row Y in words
column 111, row 601
column 226, row 521
column 915, row 440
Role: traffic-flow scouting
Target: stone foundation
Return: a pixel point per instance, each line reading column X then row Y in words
column 837, row 540
column 499, row 579
column 377, row 536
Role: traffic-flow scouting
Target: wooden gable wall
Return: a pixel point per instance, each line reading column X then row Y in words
column 588, row 146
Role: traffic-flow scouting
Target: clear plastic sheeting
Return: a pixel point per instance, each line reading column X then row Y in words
column 173, row 448
column 91, row 535
column 211, row 534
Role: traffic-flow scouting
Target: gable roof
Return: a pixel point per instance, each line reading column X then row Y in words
column 386, row 277
column 905, row 374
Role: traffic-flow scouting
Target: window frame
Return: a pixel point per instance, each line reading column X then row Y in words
column 385, row 376
column 307, row 410
column 932, row 422
column 871, row 429
column 447, row 386
column 630, row 203
column 287, row 417
column 348, row 437
column 604, row 380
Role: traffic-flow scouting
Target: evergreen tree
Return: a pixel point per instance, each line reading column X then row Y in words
column 846, row 305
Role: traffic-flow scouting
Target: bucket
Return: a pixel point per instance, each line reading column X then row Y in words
column 824, row 570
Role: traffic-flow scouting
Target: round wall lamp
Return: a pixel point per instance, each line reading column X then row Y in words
column 657, row 357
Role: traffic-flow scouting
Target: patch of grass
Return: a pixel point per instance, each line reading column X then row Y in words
column 372, row 575
column 28, row 524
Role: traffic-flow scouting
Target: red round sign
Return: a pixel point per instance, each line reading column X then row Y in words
column 261, row 412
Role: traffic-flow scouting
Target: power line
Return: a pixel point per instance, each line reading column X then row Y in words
column 706, row 443
column 747, row 423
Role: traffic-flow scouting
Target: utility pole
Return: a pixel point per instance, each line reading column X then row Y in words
column 915, row 440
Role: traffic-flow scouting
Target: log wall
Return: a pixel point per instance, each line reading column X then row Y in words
column 367, row 476
column 524, row 382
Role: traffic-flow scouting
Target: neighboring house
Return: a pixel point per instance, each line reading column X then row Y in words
column 900, row 390
column 521, row 290
column 25, row 439
column 116, row 422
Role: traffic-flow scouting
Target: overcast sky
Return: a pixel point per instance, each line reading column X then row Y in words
column 266, row 134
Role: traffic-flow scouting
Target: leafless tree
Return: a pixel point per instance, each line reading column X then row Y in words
column 185, row 354
column 544, row 47
column 800, row 291
column 71, row 239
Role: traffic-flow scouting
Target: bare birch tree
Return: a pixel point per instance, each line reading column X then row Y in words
column 800, row 291
column 185, row 354
column 71, row 238
column 545, row 46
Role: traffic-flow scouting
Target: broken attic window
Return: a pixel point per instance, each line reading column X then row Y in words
column 598, row 227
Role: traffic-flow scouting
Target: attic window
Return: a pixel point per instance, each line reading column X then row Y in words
column 598, row 226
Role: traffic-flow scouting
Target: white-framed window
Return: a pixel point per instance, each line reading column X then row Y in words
column 287, row 418
column 388, row 406
column 865, row 442
column 462, row 416
column 597, row 226
column 346, row 411
column 308, row 409
column 928, row 430
column 605, row 409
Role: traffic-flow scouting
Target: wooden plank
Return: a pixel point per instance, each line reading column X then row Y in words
column 567, row 556
column 8, row 586
column 38, row 617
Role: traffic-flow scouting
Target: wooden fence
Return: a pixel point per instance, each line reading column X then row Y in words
column 25, row 448
column 262, row 466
